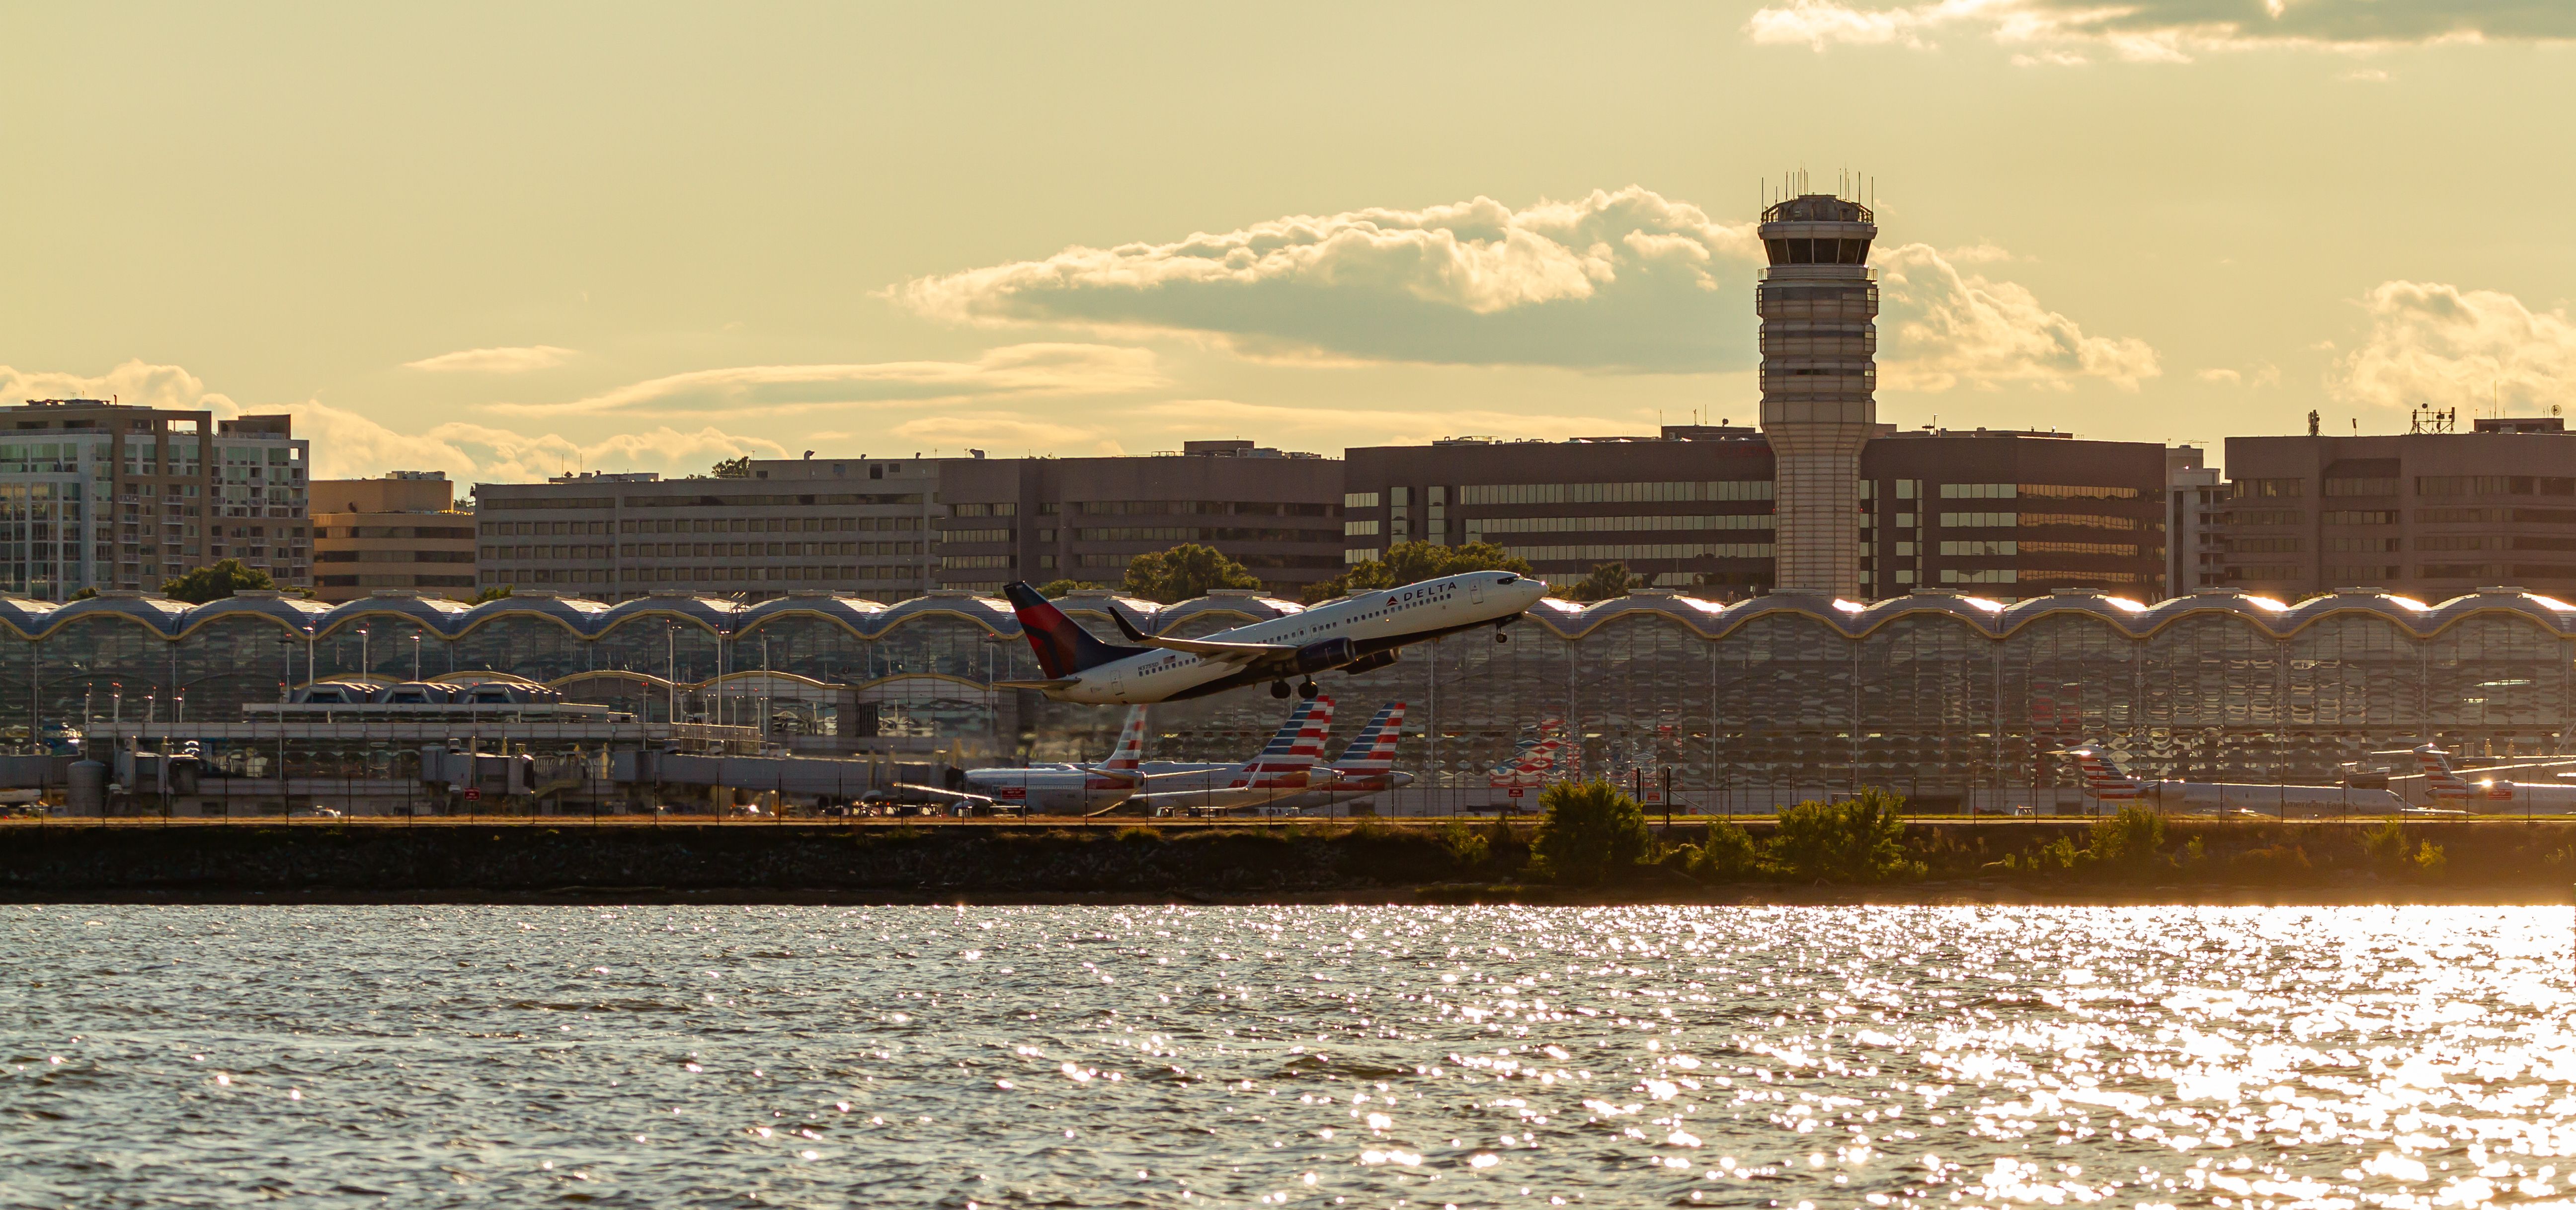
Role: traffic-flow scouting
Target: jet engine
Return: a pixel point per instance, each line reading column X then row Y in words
column 1369, row 663
column 1330, row 653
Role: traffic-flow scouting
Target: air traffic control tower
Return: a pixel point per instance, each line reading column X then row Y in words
column 1818, row 302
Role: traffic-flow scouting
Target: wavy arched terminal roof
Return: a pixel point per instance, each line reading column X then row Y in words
column 864, row 619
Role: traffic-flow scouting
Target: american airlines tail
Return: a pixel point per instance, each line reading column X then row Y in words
column 1530, row 768
column 1130, row 752
column 1294, row 751
column 2103, row 777
column 1372, row 752
column 1063, row 648
column 2440, row 780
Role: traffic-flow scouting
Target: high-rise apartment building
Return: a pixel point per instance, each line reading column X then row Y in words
column 839, row 525
column 97, row 494
column 1818, row 302
column 400, row 532
column 1277, row 513
column 2430, row 515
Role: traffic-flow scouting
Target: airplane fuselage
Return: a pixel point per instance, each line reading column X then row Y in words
column 1372, row 624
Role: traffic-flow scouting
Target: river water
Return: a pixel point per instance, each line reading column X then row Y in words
column 1305, row 1056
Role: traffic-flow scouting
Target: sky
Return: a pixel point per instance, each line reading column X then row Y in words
column 509, row 241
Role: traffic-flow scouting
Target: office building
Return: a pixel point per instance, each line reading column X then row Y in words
column 1277, row 513
column 1818, row 302
column 2001, row 515
column 2195, row 498
column 98, row 494
column 2428, row 514
column 402, row 532
column 787, row 527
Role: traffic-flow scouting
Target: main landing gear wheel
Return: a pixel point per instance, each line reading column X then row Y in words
column 1500, row 637
column 1307, row 689
column 1278, row 688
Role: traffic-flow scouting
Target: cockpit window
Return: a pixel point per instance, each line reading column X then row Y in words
column 1506, row 580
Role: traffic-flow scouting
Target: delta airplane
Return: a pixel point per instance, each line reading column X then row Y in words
column 1353, row 635
column 2106, row 782
column 1067, row 788
column 1285, row 767
column 2446, row 785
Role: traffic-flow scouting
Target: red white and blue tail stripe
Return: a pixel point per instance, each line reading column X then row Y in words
column 2103, row 777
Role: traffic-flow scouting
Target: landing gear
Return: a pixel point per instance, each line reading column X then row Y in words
column 1307, row 689
column 1278, row 688
column 1500, row 637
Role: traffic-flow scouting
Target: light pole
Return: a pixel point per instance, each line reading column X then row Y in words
column 415, row 657
column 366, row 669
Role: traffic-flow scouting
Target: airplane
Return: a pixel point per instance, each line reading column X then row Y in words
column 2444, row 784
column 1353, row 635
column 1071, row 788
column 1365, row 767
column 2107, row 782
column 1283, row 767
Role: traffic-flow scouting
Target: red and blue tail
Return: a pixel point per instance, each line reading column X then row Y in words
column 1063, row 648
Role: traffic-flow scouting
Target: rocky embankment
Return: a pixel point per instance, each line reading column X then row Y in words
column 2014, row 861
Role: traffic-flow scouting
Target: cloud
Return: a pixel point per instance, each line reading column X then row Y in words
column 1941, row 327
column 349, row 445
column 1326, row 429
column 2434, row 345
column 1005, row 433
column 494, row 361
column 2165, row 31
column 1023, row 369
column 1625, row 281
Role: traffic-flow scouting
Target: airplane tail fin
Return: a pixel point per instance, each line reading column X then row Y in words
column 1130, row 751
column 1294, row 750
column 1373, row 749
column 1063, row 648
column 2439, row 777
column 2103, row 777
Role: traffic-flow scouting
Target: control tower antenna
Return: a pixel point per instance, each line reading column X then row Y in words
column 1818, row 302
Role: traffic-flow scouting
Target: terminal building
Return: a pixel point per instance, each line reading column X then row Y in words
column 2428, row 515
column 1940, row 695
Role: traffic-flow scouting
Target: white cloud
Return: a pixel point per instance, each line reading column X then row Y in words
column 1005, row 434
column 2435, row 345
column 347, row 444
column 515, row 360
column 1614, row 281
column 1326, row 429
column 2164, row 31
column 1626, row 281
column 1023, row 369
column 1942, row 327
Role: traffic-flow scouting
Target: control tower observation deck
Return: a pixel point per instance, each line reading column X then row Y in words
column 1818, row 302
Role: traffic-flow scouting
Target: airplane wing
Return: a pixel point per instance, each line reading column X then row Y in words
column 1234, row 653
column 1233, row 798
column 1062, row 682
column 957, row 796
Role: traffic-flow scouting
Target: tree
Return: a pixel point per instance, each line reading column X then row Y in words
column 1860, row 839
column 85, row 594
column 733, row 468
column 1413, row 562
column 494, row 593
column 1591, row 831
column 1607, row 580
column 215, row 581
column 1054, row 589
column 1185, row 571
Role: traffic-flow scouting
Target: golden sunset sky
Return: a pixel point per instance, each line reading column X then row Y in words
column 509, row 240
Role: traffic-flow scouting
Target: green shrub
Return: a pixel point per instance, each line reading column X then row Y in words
column 1861, row 839
column 2429, row 861
column 2386, row 846
column 1467, row 847
column 1591, row 830
column 1139, row 835
column 1725, row 852
column 2274, row 863
column 2131, row 841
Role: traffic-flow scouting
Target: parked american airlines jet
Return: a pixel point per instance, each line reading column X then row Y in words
column 1285, row 767
column 1365, row 767
column 2484, row 789
column 1352, row 635
column 1057, row 789
column 2107, row 783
